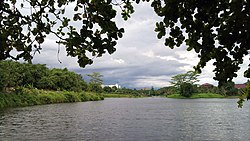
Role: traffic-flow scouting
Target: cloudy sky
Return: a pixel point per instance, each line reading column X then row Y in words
column 141, row 60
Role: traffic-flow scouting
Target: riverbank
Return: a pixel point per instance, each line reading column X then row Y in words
column 32, row 96
column 117, row 96
column 29, row 97
column 200, row 95
column 114, row 95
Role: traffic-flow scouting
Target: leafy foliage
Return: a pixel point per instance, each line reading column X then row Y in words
column 228, row 89
column 95, row 78
column 214, row 29
column 186, row 89
column 10, row 74
column 1, row 80
column 95, row 82
column 167, row 90
column 95, row 88
column 197, row 95
column 107, row 89
column 208, row 89
column 27, row 97
column 14, row 74
column 24, row 25
column 189, row 77
column 244, row 95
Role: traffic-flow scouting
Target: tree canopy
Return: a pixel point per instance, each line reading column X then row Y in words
column 96, row 82
column 188, row 77
column 185, row 82
column 95, row 78
column 24, row 25
column 15, row 74
column 215, row 29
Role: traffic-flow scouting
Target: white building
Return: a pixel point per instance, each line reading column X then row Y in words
column 115, row 85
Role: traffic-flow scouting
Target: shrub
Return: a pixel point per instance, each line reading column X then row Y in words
column 186, row 89
column 71, row 97
column 27, row 97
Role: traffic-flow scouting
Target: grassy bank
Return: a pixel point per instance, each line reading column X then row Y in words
column 117, row 96
column 121, row 96
column 29, row 97
column 197, row 95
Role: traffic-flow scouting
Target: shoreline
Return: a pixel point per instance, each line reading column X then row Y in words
column 29, row 97
column 202, row 95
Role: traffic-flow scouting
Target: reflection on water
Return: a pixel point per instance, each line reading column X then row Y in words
column 129, row 119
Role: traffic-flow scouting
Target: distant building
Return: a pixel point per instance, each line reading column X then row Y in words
column 207, row 85
column 237, row 86
column 115, row 85
column 240, row 86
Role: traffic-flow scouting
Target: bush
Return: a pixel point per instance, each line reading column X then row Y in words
column 84, row 97
column 186, row 89
column 71, row 97
column 27, row 97
column 228, row 89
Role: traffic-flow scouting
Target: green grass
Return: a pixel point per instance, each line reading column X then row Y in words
column 197, row 95
column 29, row 97
column 178, row 96
column 207, row 95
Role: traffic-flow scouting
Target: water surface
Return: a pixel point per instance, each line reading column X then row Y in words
column 129, row 120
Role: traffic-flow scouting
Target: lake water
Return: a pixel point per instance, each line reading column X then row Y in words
column 124, row 119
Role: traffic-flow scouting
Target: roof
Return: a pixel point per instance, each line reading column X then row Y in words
column 207, row 85
column 239, row 86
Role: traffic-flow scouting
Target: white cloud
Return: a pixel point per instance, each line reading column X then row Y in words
column 241, row 79
column 207, row 74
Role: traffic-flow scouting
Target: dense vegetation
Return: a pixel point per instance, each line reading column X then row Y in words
column 194, row 91
column 23, row 84
column 197, row 95
column 31, row 96
column 126, row 92
column 172, row 92
column 15, row 74
column 215, row 29
column 184, row 87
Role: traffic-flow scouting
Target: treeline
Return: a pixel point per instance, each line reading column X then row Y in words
column 184, row 85
column 14, row 74
column 127, row 91
column 187, row 90
column 23, row 84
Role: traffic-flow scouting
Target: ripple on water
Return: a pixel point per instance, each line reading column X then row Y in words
column 129, row 119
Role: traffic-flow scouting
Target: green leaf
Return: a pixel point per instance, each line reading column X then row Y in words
column 119, row 34
column 189, row 48
column 76, row 8
column 159, row 35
